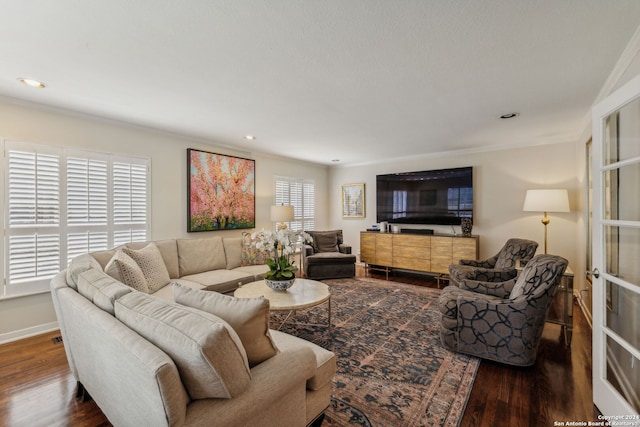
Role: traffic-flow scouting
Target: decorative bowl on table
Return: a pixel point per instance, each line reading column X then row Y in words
column 279, row 285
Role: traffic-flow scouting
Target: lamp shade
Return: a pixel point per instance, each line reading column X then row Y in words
column 547, row 200
column 281, row 213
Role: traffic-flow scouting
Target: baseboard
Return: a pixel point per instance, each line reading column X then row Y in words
column 28, row 332
column 583, row 307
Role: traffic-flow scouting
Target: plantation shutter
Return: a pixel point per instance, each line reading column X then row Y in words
column 299, row 193
column 33, row 188
column 130, row 202
column 62, row 203
column 87, row 204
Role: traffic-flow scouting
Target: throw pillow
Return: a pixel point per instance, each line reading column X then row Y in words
column 124, row 269
column 101, row 289
column 249, row 317
column 250, row 254
column 206, row 350
column 152, row 265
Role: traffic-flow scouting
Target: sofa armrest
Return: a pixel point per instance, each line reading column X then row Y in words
column 345, row 249
column 487, row 263
column 497, row 289
column 275, row 396
column 109, row 356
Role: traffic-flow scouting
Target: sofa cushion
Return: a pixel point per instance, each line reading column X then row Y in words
column 325, row 359
column 207, row 351
column 152, row 265
column 257, row 272
column 213, row 279
column 166, row 293
column 233, row 251
column 325, row 241
column 250, row 254
column 198, row 255
column 124, row 269
column 78, row 265
column 331, row 258
column 249, row 317
column 101, row 289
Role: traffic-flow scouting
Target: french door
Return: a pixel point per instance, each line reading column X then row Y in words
column 616, row 253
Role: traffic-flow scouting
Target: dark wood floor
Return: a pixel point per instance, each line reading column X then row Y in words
column 557, row 388
column 37, row 388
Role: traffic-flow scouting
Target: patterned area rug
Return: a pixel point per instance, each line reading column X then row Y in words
column 392, row 369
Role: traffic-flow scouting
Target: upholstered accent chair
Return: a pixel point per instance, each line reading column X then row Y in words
column 327, row 257
column 498, row 268
column 501, row 321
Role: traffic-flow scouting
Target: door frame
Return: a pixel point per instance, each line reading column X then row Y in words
column 605, row 396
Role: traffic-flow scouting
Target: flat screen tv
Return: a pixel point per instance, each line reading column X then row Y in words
column 440, row 197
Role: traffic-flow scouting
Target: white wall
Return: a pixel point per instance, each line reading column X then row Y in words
column 32, row 314
column 501, row 179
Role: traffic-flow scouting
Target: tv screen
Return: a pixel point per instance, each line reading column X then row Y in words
column 441, row 197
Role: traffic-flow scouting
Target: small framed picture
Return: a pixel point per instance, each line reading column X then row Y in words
column 353, row 201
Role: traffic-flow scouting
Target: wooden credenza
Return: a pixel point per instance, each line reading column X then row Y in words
column 427, row 253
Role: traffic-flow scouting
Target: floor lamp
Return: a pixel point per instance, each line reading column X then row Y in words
column 546, row 201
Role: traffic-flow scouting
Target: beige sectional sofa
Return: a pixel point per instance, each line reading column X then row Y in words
column 214, row 264
column 178, row 354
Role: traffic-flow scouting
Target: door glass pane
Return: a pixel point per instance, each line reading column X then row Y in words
column 623, row 372
column 622, row 313
column 623, row 252
column 621, row 193
column 622, row 130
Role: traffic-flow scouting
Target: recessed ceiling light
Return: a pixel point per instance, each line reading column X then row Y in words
column 250, row 138
column 509, row 115
column 32, row 83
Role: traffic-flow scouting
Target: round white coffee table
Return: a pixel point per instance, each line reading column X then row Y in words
column 303, row 294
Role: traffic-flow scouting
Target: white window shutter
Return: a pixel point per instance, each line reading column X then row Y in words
column 62, row 203
column 87, row 183
column 300, row 194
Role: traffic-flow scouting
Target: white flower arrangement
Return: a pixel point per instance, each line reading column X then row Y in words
column 282, row 243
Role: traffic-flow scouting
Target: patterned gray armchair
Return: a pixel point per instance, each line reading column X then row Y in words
column 498, row 268
column 501, row 321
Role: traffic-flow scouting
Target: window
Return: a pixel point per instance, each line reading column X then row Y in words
column 299, row 193
column 460, row 201
column 399, row 204
column 61, row 203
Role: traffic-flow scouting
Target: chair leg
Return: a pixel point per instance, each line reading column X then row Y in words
column 82, row 393
column 79, row 390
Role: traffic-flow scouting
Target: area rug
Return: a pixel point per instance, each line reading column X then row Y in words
column 391, row 368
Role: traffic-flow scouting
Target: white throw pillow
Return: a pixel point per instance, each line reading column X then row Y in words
column 206, row 350
column 124, row 269
column 249, row 317
column 150, row 261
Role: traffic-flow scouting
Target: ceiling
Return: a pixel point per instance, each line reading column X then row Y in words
column 354, row 81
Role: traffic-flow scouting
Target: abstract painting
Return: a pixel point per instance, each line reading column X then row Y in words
column 353, row 201
column 221, row 191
